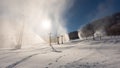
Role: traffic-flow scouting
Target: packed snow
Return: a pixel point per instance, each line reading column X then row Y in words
column 103, row 53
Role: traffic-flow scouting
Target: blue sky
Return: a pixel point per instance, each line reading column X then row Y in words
column 85, row 11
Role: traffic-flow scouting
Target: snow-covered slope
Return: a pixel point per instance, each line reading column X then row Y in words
column 76, row 54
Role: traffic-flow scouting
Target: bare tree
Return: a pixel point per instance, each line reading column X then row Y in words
column 88, row 30
column 91, row 30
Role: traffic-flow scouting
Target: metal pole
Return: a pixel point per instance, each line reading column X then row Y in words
column 50, row 39
column 51, row 44
column 58, row 40
column 62, row 39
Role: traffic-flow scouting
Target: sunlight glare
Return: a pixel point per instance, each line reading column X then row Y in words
column 46, row 24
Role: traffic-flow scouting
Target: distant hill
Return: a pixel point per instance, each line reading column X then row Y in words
column 109, row 25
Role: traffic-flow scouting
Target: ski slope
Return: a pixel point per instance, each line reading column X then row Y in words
column 103, row 53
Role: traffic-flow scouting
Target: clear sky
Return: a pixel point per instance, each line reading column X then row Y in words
column 85, row 11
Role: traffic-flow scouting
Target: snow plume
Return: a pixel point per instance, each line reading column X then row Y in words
column 27, row 16
column 98, row 27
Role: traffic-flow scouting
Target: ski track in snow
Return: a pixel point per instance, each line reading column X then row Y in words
column 85, row 65
column 22, row 60
column 14, row 52
column 56, row 60
column 26, row 58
